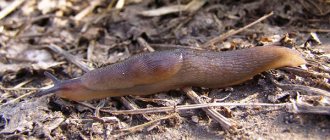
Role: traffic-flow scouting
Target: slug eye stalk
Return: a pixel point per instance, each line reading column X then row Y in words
column 56, row 87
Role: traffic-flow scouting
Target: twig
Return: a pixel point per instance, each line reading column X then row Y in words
column 132, row 106
column 98, row 108
column 129, row 105
column 318, row 65
column 192, row 6
column 17, row 99
column 87, row 10
column 120, row 4
column 226, row 123
column 301, row 87
column 10, row 8
column 70, row 57
column 90, row 50
column 151, row 99
column 87, row 105
column 19, row 86
column 13, row 89
column 111, row 119
column 247, row 99
column 222, row 99
column 145, row 44
column 305, row 73
column 134, row 129
column 299, row 106
column 308, row 109
column 233, row 32
column 189, row 107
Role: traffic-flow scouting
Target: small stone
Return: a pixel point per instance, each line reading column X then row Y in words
column 195, row 119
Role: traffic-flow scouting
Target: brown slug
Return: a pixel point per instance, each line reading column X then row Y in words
column 150, row 73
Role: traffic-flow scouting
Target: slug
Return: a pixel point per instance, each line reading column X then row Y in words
column 150, row 73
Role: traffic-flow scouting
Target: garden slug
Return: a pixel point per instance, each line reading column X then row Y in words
column 150, row 73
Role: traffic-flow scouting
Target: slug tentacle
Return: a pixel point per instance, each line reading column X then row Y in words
column 63, row 87
column 57, row 85
column 53, row 78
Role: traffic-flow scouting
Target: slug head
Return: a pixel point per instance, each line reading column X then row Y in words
column 64, row 88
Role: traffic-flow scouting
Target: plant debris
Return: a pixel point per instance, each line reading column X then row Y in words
column 71, row 37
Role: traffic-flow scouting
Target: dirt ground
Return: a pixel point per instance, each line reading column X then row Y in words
column 69, row 37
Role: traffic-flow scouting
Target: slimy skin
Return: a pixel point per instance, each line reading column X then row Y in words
column 150, row 73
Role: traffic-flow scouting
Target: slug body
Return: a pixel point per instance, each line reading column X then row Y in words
column 165, row 70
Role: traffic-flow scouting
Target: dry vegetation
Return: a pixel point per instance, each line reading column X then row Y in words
column 70, row 37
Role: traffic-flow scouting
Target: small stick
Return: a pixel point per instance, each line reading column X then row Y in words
column 17, row 99
column 132, row 106
column 233, row 32
column 301, row 107
column 305, row 73
column 120, row 4
column 88, row 105
column 90, row 50
column 70, row 57
column 10, row 8
column 19, row 86
column 129, row 105
column 145, row 44
column 87, row 10
column 188, row 107
column 142, row 126
column 151, row 99
column 124, row 101
column 304, row 108
column 14, row 88
column 226, row 123
column 301, row 87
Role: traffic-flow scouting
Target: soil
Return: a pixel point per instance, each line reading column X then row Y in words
column 96, row 33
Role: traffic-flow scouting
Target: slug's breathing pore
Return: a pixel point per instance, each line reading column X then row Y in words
column 165, row 70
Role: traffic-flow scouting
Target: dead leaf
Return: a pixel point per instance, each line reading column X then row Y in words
column 23, row 117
